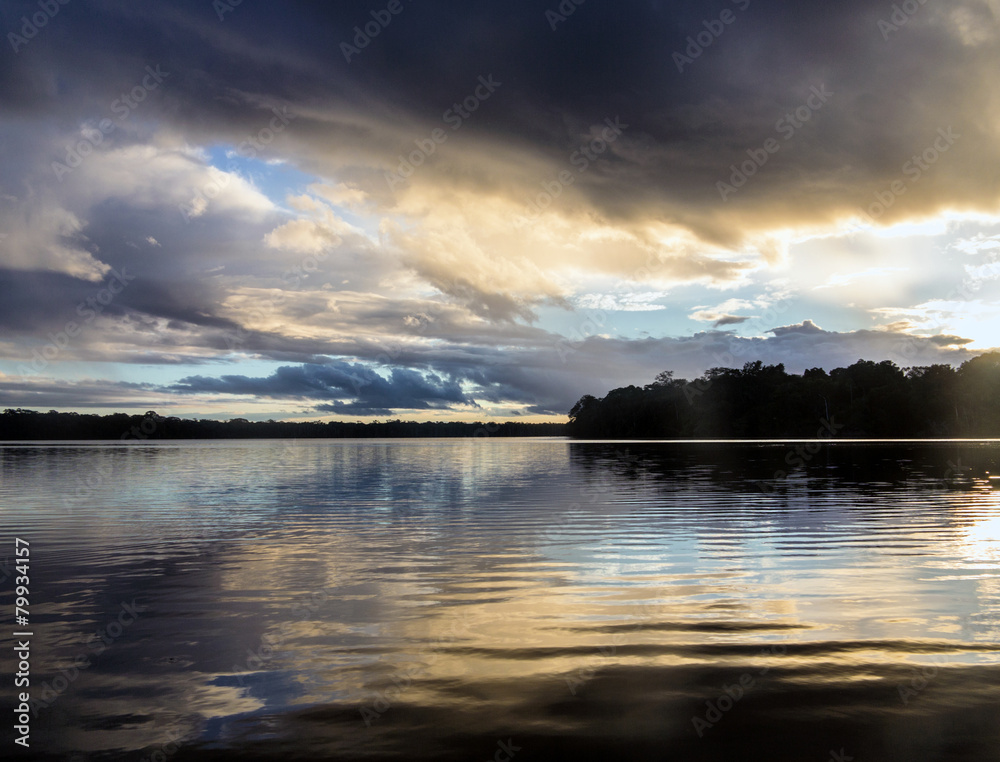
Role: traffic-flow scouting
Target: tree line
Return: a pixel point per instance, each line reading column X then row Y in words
column 866, row 399
column 20, row 425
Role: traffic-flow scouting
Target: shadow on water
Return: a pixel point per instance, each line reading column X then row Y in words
column 807, row 710
column 772, row 466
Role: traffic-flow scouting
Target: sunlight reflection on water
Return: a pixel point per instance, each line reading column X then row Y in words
column 423, row 599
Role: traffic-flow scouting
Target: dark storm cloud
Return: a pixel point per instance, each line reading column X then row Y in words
column 36, row 302
column 607, row 59
column 805, row 328
column 39, row 302
column 41, row 394
column 945, row 340
column 366, row 392
column 730, row 320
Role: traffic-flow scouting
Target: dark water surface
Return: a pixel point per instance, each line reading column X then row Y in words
column 507, row 599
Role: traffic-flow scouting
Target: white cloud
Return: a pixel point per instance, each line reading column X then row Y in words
column 341, row 194
column 643, row 302
column 723, row 314
column 41, row 235
column 304, row 236
column 976, row 319
column 977, row 244
column 153, row 176
column 846, row 279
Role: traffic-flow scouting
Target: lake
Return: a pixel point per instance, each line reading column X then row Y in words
column 526, row 599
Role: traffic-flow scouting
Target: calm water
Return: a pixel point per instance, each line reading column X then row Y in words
column 494, row 599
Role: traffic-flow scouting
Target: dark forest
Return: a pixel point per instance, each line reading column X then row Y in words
column 866, row 399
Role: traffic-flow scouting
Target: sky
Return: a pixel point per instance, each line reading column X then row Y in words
column 441, row 211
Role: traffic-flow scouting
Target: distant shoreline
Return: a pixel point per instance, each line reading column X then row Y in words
column 32, row 426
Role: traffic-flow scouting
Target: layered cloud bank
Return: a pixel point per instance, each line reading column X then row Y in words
column 306, row 210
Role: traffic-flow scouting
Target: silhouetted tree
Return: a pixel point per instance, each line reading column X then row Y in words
column 870, row 399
